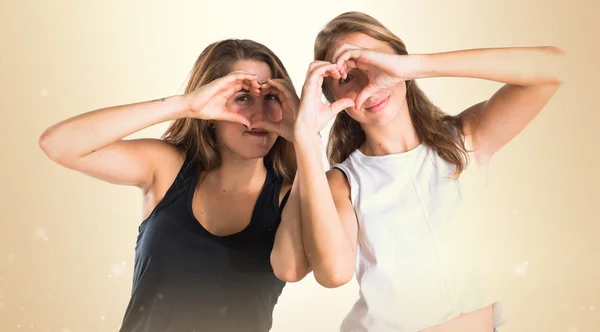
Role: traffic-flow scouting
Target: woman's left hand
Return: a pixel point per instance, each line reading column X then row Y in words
column 383, row 70
column 289, row 104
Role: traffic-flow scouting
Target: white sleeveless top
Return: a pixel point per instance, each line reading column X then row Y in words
column 414, row 268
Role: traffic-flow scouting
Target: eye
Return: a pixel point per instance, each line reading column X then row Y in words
column 242, row 98
column 271, row 96
column 348, row 79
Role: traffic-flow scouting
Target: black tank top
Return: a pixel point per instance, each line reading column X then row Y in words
column 187, row 279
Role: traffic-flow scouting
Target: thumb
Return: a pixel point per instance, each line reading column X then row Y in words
column 235, row 117
column 265, row 125
column 341, row 105
column 364, row 95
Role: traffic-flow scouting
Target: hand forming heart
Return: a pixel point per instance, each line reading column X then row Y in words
column 383, row 70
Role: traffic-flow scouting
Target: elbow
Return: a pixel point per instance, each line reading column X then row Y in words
column 47, row 143
column 555, row 50
column 334, row 277
column 288, row 270
column 559, row 68
column 290, row 275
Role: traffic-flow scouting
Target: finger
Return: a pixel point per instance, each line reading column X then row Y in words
column 246, row 87
column 239, row 71
column 231, row 89
column 283, row 89
column 334, row 73
column 255, row 88
column 343, row 72
column 274, row 111
column 314, row 80
column 319, row 72
column 241, row 85
column 281, row 83
column 347, row 55
column 235, row 82
column 290, row 93
column 227, row 115
column 287, row 97
column 251, row 86
column 341, row 105
column 266, row 125
column 278, row 92
column 362, row 96
column 342, row 50
column 234, row 88
column 266, row 88
column 240, row 76
column 315, row 64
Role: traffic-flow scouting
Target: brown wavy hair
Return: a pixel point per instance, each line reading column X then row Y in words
column 194, row 135
column 440, row 131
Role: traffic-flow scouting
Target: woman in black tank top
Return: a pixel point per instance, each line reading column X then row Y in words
column 220, row 235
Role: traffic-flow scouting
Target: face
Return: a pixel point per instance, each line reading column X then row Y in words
column 382, row 107
column 236, row 137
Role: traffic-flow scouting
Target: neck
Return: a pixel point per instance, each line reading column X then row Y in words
column 395, row 137
column 238, row 174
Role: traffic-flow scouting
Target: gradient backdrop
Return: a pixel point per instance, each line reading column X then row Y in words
column 66, row 240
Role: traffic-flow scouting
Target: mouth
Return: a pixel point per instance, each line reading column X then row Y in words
column 379, row 106
column 257, row 132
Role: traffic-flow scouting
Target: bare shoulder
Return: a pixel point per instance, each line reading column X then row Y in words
column 133, row 162
column 469, row 122
column 157, row 149
column 167, row 160
column 338, row 183
column 340, row 192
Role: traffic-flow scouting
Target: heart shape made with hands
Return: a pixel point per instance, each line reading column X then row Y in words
column 214, row 101
column 313, row 112
column 381, row 69
column 282, row 121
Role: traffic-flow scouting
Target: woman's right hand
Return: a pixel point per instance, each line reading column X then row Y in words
column 209, row 101
column 313, row 115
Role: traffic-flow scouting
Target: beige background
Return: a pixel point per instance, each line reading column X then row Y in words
column 66, row 241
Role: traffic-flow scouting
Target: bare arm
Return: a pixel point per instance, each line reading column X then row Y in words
column 532, row 76
column 92, row 143
column 288, row 257
column 329, row 225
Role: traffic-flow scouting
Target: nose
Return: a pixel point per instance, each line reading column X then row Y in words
column 265, row 110
column 257, row 112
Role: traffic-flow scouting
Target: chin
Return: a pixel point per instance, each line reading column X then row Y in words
column 255, row 153
column 380, row 119
column 256, row 150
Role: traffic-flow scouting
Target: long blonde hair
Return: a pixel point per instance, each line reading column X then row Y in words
column 195, row 136
column 434, row 127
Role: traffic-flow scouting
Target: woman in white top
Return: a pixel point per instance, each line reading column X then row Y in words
column 397, row 160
